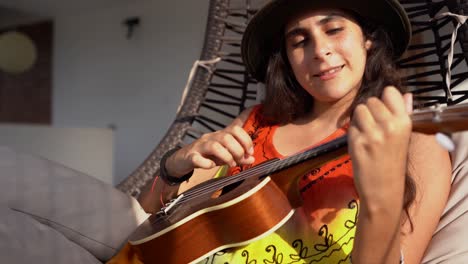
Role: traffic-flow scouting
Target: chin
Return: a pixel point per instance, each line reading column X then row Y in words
column 331, row 90
column 331, row 97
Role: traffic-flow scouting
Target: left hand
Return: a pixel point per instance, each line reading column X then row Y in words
column 378, row 144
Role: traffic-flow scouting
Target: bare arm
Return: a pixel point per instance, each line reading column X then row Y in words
column 379, row 152
column 379, row 138
column 430, row 167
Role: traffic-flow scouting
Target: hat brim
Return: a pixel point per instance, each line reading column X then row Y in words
column 267, row 24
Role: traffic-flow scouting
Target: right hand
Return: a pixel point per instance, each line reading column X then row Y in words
column 232, row 146
column 378, row 143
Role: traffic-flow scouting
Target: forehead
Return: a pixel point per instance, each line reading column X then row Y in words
column 317, row 15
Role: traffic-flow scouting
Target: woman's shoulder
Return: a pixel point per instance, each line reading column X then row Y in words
column 426, row 152
column 248, row 114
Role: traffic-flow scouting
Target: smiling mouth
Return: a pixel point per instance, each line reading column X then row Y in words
column 329, row 71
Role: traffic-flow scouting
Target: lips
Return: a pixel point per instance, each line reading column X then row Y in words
column 329, row 71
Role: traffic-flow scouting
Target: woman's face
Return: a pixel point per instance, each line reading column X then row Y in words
column 327, row 53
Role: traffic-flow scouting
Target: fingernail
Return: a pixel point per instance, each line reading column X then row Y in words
column 251, row 151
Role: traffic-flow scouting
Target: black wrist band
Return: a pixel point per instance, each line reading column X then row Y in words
column 168, row 179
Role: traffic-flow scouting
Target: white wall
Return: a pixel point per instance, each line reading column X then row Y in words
column 89, row 150
column 100, row 78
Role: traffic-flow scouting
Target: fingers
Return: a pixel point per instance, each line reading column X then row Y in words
column 231, row 151
column 394, row 101
column 370, row 114
column 232, row 146
column 380, row 111
column 199, row 161
column 378, row 143
column 243, row 138
column 363, row 119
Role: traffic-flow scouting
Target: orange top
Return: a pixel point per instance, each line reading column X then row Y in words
column 321, row 231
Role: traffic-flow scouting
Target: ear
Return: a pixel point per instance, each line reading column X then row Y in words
column 368, row 44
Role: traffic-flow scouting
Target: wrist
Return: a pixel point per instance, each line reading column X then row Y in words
column 166, row 175
column 174, row 163
column 381, row 209
column 386, row 194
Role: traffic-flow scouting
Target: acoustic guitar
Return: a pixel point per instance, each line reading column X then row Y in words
column 233, row 211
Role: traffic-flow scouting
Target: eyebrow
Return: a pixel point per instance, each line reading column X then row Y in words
column 298, row 30
column 330, row 17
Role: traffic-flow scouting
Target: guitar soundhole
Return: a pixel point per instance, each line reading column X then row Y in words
column 225, row 190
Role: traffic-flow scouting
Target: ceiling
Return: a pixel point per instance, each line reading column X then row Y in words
column 51, row 8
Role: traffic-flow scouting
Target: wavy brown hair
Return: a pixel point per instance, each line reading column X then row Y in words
column 286, row 100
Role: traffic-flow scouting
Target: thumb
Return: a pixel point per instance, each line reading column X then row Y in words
column 201, row 162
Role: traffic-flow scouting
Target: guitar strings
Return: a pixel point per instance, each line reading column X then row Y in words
column 261, row 170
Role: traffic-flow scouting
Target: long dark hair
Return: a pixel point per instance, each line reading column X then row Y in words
column 286, row 100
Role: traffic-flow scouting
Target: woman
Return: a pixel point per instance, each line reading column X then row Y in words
column 328, row 67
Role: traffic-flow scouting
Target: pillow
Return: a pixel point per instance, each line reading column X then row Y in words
column 23, row 240
column 87, row 211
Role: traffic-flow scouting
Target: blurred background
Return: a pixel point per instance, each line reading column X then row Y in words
column 95, row 84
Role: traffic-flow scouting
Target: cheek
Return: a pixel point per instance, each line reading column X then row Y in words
column 298, row 63
column 354, row 51
column 295, row 58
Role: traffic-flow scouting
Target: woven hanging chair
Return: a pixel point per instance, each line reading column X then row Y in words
column 221, row 88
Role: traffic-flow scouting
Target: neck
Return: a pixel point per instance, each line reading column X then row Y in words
column 335, row 113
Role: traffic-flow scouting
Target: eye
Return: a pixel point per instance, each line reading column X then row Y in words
column 334, row 31
column 299, row 42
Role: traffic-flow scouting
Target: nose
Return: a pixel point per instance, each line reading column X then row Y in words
column 321, row 48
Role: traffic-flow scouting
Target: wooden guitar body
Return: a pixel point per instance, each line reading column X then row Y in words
column 208, row 224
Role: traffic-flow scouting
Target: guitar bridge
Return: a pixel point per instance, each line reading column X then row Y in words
column 167, row 207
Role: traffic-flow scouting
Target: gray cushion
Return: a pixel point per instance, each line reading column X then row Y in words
column 88, row 212
column 23, row 240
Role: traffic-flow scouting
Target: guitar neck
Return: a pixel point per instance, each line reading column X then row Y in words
column 428, row 121
column 441, row 119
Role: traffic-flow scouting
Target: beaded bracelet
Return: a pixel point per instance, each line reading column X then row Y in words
column 168, row 179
